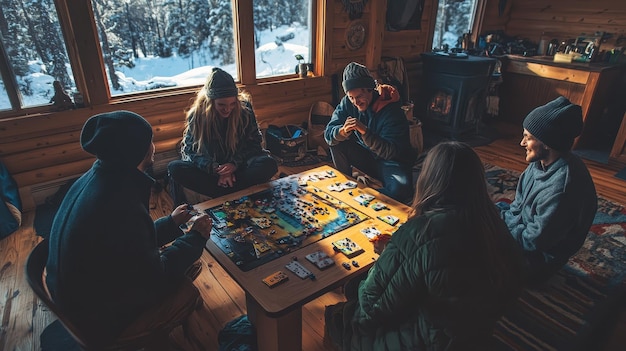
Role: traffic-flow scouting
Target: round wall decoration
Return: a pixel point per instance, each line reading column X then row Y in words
column 355, row 35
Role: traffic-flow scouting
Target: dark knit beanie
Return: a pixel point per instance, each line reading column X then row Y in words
column 556, row 123
column 220, row 84
column 355, row 75
column 119, row 136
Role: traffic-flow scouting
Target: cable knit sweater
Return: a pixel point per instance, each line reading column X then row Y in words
column 552, row 213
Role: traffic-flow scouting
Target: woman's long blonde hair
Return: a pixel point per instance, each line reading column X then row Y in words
column 202, row 120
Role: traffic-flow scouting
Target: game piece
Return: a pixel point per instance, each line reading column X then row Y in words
column 302, row 181
column 370, row 232
column 364, row 199
column 320, row 259
column 347, row 247
column 349, row 184
column 335, row 187
column 274, row 279
column 298, row 269
column 389, row 219
column 346, row 265
column 379, row 206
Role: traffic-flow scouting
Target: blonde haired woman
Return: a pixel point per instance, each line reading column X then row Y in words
column 221, row 148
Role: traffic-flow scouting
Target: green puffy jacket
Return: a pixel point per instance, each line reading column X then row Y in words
column 430, row 290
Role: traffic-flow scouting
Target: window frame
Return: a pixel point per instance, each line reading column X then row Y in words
column 479, row 14
column 76, row 19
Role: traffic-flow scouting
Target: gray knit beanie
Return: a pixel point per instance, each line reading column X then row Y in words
column 121, row 136
column 220, row 84
column 556, row 123
column 355, row 75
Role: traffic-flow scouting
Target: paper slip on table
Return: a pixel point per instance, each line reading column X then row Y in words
column 273, row 238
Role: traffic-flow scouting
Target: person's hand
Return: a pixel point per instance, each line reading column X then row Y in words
column 380, row 242
column 348, row 127
column 227, row 180
column 225, row 169
column 359, row 126
column 183, row 213
column 202, row 223
column 351, row 124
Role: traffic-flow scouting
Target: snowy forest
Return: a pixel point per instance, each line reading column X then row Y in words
column 454, row 18
column 199, row 31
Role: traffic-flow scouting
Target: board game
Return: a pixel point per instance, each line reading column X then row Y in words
column 260, row 227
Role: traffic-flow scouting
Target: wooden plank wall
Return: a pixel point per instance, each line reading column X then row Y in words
column 559, row 19
column 45, row 149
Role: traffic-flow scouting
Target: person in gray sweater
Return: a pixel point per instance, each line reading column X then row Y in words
column 555, row 201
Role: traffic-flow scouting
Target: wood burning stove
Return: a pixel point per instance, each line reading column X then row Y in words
column 455, row 90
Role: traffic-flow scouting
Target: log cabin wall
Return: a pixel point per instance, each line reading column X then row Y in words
column 43, row 151
column 601, row 95
column 560, row 19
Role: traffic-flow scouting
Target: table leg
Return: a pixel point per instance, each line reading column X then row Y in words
column 283, row 333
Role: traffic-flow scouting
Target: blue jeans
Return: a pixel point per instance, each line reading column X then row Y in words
column 397, row 178
column 258, row 170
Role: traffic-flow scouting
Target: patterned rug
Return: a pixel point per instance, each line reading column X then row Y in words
column 569, row 311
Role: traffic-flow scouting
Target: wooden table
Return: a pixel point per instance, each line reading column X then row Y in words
column 277, row 312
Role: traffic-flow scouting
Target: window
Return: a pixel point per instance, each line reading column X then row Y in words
column 454, row 18
column 34, row 54
column 5, row 104
column 282, row 30
column 144, row 46
column 153, row 44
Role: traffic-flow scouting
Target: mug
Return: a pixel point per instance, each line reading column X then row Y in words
column 303, row 69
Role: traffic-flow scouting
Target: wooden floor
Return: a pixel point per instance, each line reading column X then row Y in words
column 23, row 317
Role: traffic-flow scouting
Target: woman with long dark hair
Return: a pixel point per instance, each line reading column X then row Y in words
column 445, row 276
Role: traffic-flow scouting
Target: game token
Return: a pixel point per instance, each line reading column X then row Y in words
column 364, row 199
column 275, row 278
column 347, row 247
column 370, row 232
column 298, row 269
column 349, row 184
column 320, row 259
column 379, row 206
column 389, row 219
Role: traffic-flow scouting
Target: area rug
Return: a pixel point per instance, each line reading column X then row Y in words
column 570, row 311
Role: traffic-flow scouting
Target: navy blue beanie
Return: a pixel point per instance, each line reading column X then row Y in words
column 556, row 123
column 355, row 75
column 119, row 136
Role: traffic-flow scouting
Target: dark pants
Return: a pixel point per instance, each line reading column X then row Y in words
column 397, row 178
column 258, row 170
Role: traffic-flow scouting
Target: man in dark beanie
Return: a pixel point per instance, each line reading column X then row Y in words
column 221, row 149
column 556, row 200
column 106, row 269
column 370, row 131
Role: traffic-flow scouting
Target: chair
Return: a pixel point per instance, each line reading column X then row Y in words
column 155, row 339
column 319, row 116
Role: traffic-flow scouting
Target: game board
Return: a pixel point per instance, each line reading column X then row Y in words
column 293, row 213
